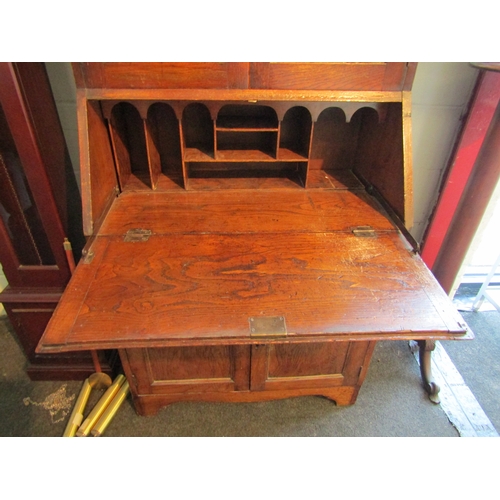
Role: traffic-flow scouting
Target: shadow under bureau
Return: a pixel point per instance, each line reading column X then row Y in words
column 247, row 242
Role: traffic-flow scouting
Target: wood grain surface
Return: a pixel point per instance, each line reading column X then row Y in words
column 199, row 287
column 242, row 75
column 244, row 211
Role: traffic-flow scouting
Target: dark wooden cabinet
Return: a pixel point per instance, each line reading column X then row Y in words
column 40, row 207
column 247, row 228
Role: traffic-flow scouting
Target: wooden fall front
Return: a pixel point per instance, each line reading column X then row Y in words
column 246, row 229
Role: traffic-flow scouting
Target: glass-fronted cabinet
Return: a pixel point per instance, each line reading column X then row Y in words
column 40, row 210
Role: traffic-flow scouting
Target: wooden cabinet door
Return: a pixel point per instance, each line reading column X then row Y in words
column 289, row 366
column 166, row 75
column 176, row 373
column 328, row 76
column 174, row 370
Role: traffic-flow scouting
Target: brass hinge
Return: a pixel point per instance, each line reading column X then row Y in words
column 135, row 235
column 364, row 231
column 88, row 256
column 87, row 252
column 267, row 326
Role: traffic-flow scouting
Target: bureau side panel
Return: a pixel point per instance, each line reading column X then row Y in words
column 98, row 176
column 380, row 159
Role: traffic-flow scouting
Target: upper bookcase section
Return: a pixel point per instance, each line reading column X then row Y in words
column 373, row 76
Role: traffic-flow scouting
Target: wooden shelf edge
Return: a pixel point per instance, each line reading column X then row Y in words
column 247, row 129
column 195, row 155
column 243, row 94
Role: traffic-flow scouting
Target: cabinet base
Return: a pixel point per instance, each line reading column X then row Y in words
column 149, row 405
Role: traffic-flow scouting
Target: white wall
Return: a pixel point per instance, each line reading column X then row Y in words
column 441, row 92
column 64, row 90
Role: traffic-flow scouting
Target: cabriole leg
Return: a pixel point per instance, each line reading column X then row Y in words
column 425, row 350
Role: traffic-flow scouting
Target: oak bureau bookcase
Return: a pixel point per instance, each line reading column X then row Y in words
column 247, row 229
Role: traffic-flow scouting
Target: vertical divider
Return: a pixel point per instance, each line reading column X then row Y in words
column 278, row 136
column 259, row 367
column 280, row 109
column 122, row 161
column 309, row 152
column 185, row 177
column 154, row 161
column 215, row 137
